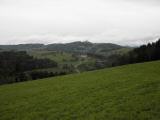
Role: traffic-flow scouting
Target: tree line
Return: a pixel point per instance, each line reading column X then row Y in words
column 144, row 53
column 13, row 67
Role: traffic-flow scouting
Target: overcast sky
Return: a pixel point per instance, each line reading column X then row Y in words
column 125, row 22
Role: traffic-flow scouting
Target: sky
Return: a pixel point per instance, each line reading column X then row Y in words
column 124, row 22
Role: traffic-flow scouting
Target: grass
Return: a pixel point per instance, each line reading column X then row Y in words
column 130, row 92
column 56, row 56
column 60, row 57
column 63, row 58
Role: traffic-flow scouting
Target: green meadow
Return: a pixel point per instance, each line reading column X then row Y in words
column 130, row 92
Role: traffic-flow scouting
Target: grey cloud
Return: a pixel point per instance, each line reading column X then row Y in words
column 126, row 22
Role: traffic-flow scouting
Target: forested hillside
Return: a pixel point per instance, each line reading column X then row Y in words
column 14, row 65
column 144, row 53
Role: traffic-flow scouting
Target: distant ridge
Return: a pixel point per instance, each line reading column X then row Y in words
column 20, row 47
column 78, row 46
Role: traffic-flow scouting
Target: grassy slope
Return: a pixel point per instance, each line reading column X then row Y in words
column 123, row 93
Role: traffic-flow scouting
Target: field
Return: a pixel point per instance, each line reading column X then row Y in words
column 63, row 58
column 56, row 56
column 130, row 92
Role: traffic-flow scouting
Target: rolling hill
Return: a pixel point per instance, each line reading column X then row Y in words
column 130, row 92
column 78, row 47
column 22, row 47
column 84, row 47
column 78, row 56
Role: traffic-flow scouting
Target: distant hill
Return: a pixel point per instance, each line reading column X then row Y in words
column 21, row 47
column 130, row 92
column 83, row 47
column 78, row 47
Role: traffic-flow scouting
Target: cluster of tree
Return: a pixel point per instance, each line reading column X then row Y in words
column 33, row 75
column 143, row 53
column 44, row 74
column 13, row 65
